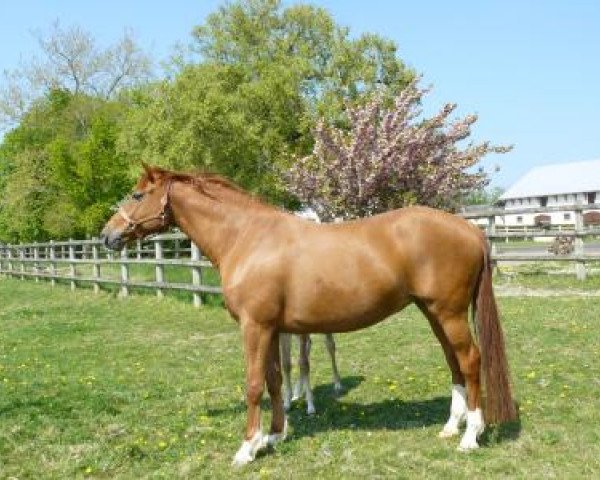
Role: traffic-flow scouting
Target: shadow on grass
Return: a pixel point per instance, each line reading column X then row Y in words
column 499, row 433
column 388, row 414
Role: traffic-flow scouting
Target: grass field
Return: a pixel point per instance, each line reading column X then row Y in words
column 102, row 387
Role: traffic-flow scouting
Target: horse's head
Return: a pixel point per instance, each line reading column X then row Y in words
column 144, row 212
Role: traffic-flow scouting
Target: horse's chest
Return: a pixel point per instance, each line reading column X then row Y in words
column 254, row 295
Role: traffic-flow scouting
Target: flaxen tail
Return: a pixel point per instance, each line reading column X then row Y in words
column 498, row 405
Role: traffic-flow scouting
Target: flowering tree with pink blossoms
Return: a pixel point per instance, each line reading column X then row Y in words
column 389, row 158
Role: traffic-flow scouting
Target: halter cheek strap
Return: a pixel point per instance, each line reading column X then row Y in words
column 132, row 225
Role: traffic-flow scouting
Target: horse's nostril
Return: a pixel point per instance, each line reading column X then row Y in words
column 111, row 239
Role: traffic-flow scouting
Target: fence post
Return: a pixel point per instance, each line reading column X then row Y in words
column 138, row 249
column 22, row 258
column 52, row 263
column 491, row 240
column 177, row 246
column 124, row 273
column 9, row 256
column 196, row 274
column 159, row 268
column 72, row 271
column 95, row 265
column 36, row 265
column 580, row 271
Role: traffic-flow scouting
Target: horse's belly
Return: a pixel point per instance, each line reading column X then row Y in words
column 342, row 310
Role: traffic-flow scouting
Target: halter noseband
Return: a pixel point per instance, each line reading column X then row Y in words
column 132, row 225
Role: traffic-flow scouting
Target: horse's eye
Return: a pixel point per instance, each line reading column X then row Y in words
column 137, row 195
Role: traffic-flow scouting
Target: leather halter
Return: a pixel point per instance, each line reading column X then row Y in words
column 132, row 225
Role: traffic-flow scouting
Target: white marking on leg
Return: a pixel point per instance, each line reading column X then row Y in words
column 274, row 438
column 475, row 427
column 249, row 449
column 458, row 412
column 298, row 388
column 310, row 403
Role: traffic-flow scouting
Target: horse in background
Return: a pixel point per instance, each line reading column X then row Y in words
column 302, row 386
column 283, row 274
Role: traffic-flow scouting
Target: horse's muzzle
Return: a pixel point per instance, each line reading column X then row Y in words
column 112, row 239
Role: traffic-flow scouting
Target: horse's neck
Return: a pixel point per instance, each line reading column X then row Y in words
column 212, row 225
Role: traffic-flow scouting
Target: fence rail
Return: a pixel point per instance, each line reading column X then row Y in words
column 88, row 262
column 578, row 231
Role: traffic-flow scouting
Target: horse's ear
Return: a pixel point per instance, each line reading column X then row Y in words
column 149, row 171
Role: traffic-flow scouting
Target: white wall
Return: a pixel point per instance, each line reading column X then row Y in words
column 566, row 217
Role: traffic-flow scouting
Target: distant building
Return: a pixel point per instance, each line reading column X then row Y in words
column 553, row 186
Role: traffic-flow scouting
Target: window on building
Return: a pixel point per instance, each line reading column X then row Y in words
column 543, row 201
column 591, row 197
column 567, row 216
column 519, row 219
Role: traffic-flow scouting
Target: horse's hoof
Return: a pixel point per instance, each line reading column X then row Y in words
column 249, row 449
column 467, row 446
column 468, row 442
column 241, row 459
column 274, row 438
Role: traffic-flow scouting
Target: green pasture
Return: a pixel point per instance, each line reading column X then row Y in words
column 95, row 386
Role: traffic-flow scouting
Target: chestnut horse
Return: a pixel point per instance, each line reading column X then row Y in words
column 281, row 273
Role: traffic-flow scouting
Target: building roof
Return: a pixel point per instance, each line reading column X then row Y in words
column 575, row 177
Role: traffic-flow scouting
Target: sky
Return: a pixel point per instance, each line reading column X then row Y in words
column 530, row 69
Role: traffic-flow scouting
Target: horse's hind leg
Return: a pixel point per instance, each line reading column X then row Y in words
column 463, row 359
column 286, row 367
column 330, row 344
column 456, row 328
column 458, row 406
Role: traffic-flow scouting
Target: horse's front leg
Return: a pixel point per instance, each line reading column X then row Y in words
column 257, row 343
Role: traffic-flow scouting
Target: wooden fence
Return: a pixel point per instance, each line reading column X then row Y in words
column 578, row 231
column 88, row 262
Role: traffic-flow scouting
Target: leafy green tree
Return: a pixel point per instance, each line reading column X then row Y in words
column 259, row 78
column 61, row 171
column 59, row 166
